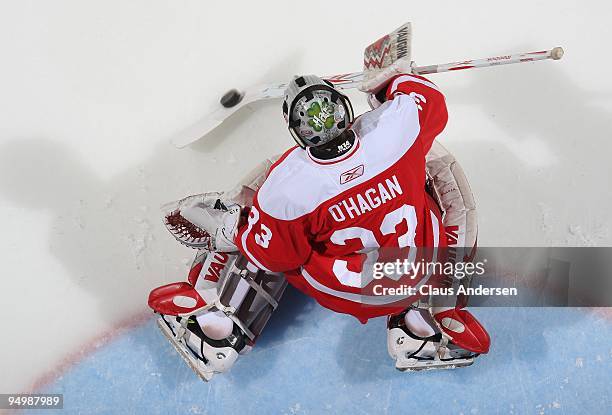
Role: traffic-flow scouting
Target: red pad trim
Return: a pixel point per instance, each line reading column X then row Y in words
column 465, row 331
column 164, row 299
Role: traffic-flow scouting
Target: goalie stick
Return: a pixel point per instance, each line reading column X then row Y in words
column 234, row 100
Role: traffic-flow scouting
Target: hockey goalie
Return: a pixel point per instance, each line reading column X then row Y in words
column 318, row 217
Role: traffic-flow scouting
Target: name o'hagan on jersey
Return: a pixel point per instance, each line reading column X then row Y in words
column 366, row 201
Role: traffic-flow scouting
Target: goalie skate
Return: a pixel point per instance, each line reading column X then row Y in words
column 414, row 353
column 193, row 346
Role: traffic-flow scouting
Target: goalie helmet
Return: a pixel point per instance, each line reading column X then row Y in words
column 315, row 112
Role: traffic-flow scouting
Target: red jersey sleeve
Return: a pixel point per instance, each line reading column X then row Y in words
column 429, row 101
column 273, row 244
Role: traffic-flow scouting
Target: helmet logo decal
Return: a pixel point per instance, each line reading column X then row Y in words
column 321, row 115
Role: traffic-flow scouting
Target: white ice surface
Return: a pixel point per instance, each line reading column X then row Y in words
column 91, row 93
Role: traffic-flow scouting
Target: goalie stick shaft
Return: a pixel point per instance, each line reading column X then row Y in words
column 352, row 80
column 555, row 54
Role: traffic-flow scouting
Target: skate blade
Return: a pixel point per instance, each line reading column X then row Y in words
column 437, row 365
column 191, row 361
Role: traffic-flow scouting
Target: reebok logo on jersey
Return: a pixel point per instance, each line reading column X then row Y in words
column 352, row 174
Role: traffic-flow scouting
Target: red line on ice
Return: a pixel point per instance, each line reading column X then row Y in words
column 89, row 348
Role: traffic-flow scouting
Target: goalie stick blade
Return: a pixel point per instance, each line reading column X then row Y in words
column 221, row 113
column 198, row 130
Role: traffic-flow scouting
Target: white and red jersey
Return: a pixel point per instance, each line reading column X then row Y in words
column 321, row 222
